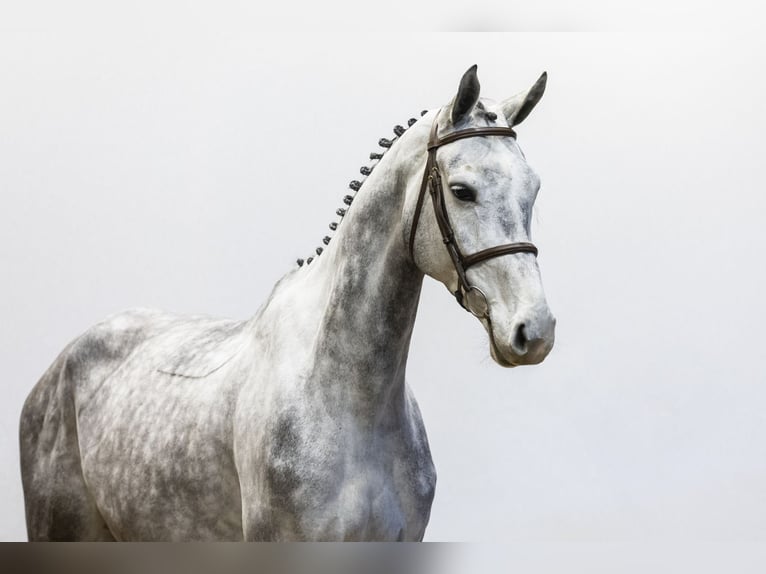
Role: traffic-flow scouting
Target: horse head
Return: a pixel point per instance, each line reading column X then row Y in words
column 475, row 237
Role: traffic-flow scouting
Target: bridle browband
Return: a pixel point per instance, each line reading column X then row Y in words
column 470, row 297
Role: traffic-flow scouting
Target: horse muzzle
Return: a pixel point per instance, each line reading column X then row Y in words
column 526, row 340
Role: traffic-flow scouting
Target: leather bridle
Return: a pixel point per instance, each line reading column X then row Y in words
column 470, row 297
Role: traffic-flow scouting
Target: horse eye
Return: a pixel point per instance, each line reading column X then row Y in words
column 463, row 193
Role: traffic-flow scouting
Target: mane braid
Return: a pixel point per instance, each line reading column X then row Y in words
column 356, row 185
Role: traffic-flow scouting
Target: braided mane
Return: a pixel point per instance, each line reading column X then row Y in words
column 356, row 185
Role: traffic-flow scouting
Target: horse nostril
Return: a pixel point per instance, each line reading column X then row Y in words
column 520, row 340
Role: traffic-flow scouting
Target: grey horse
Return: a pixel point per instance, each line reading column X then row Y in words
column 297, row 424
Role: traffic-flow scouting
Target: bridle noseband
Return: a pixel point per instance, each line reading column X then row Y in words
column 470, row 297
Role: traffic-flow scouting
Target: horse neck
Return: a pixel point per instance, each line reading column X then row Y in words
column 366, row 285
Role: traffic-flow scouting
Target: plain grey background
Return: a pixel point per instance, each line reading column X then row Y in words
column 183, row 158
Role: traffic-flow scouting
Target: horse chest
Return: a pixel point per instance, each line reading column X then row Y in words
column 349, row 498
column 335, row 482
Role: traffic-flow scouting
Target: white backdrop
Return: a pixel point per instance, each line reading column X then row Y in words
column 179, row 159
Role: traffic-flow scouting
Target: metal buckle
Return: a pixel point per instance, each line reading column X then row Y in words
column 475, row 302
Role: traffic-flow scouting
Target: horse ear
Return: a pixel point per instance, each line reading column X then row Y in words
column 517, row 108
column 467, row 94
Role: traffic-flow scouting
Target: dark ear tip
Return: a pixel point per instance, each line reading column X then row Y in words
column 540, row 84
column 467, row 94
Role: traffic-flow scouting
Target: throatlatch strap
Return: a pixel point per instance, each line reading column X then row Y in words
column 430, row 164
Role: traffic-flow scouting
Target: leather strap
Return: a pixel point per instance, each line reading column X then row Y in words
column 435, row 142
column 508, row 249
column 419, row 208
